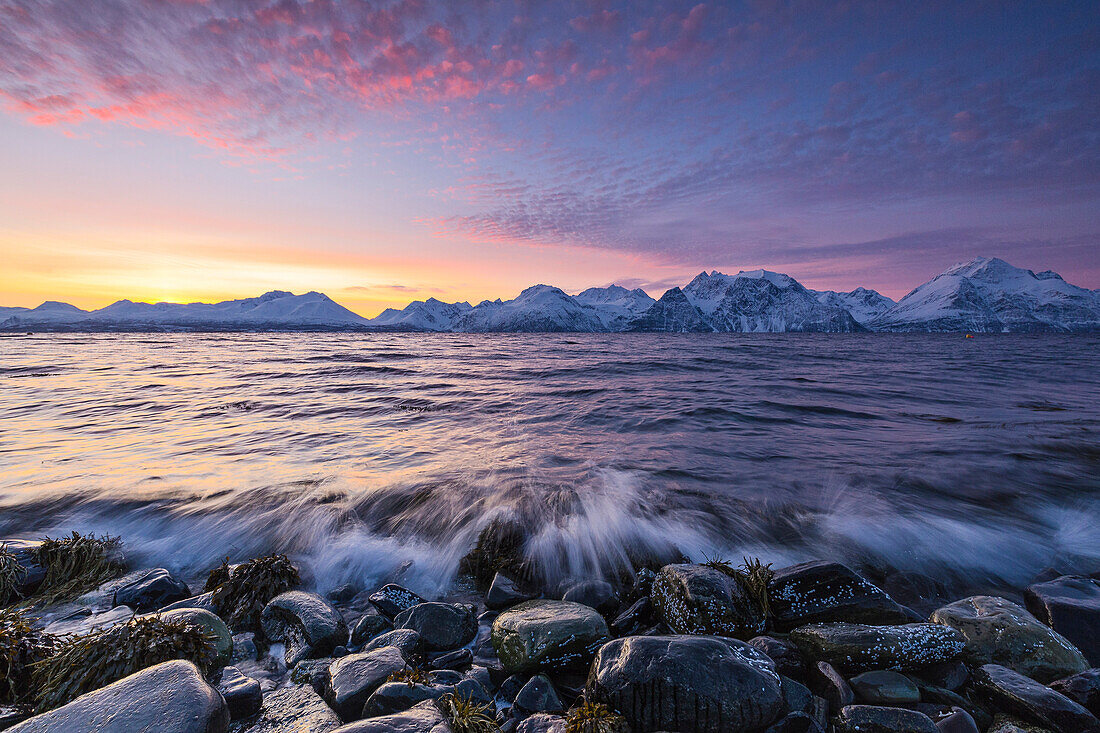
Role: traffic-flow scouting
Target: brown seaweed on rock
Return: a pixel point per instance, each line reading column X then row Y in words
column 21, row 647
column 12, row 575
column 76, row 565
column 467, row 716
column 88, row 662
column 594, row 717
column 241, row 598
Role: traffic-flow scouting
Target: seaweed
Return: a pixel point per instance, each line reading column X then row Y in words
column 217, row 576
column 467, row 716
column 91, row 661
column 241, row 598
column 411, row 675
column 594, row 717
column 21, row 647
column 76, row 565
column 753, row 576
column 12, row 575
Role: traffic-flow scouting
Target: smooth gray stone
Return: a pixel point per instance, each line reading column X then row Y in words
column 293, row 709
column 442, row 626
column 874, row 719
column 687, row 683
column 154, row 589
column 504, row 593
column 1083, row 688
column 241, row 693
column 204, row 601
column 538, row 696
column 884, row 687
column 424, row 717
column 1013, row 693
column 597, row 594
column 352, row 679
column 306, row 623
column 171, row 697
column 696, row 599
column 368, row 626
column 542, row 723
column 788, row 659
column 831, row 686
column 407, row 640
column 959, row 721
column 396, row 697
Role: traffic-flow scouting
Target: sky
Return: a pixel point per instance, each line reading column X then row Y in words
column 387, row 151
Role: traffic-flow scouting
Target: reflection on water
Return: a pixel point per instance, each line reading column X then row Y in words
column 369, row 456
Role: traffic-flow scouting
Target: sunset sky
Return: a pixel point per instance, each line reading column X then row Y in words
column 385, row 151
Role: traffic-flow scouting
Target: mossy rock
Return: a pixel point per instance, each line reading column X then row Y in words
column 547, row 636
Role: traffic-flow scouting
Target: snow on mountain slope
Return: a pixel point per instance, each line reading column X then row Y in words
column 764, row 301
column 673, row 312
column 990, row 295
column 49, row 312
column 864, row 304
column 539, row 308
column 429, row 315
column 615, row 305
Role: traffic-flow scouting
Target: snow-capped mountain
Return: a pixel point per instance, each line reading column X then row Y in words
column 615, row 305
column 539, row 308
column 764, row 301
column 990, row 295
column 274, row 310
column 427, row 315
column 673, row 312
column 864, row 304
column 49, row 312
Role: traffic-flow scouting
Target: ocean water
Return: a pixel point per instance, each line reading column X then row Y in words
column 378, row 457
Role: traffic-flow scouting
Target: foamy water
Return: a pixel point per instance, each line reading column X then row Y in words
column 377, row 457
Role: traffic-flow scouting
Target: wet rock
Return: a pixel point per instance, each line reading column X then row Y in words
column 442, row 626
column 857, row 647
column 204, row 601
column 831, row 686
column 1071, row 606
column 458, row 659
column 445, row 677
column 1010, row 724
column 795, row 723
column 244, row 648
column 819, row 592
column 958, row 721
column 548, row 635
column 504, row 593
column 796, row 696
column 682, row 683
column 392, row 599
column 241, row 693
column 171, row 697
column 874, row 719
column 998, row 631
column 424, row 717
column 369, row 625
column 542, row 723
column 350, row 680
column 1014, row 693
column 396, row 697
column 1083, row 688
column 511, row 687
column 538, row 696
column 342, row 593
column 884, row 687
column 916, row 590
column 293, row 710
column 597, row 594
column 500, row 548
column 949, row 675
column 407, row 640
column 696, row 599
column 212, row 624
column 81, row 622
column 307, row 625
column 311, row 672
column 154, row 589
column 631, row 620
column 788, row 660
column 482, row 676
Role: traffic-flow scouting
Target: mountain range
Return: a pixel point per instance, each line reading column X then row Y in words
column 983, row 295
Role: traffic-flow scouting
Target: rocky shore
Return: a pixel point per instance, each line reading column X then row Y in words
column 87, row 644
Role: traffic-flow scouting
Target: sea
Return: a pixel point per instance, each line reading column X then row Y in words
column 376, row 457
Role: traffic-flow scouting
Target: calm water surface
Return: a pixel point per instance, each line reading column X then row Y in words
column 369, row 457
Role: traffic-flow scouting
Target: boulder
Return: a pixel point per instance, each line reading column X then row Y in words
column 630, row 621
column 81, row 622
column 831, row 686
column 171, row 697
column 1010, row 724
column 350, row 680
column 1071, row 606
column 212, row 624
column 407, row 640
column 392, row 599
column 155, row 588
column 311, row 672
column 306, row 623
column 505, row 593
column 442, row 626
column 396, row 697
column 874, row 719
column 292, row 710
column 998, row 631
column 1014, row 693
column 858, row 648
column 795, row 723
column 538, row 696
column 423, row 717
column 368, row 626
column 241, row 693
column 1083, row 688
column 788, row 660
column 884, row 687
column 697, row 599
column 597, row 594
column 957, row 721
column 819, row 592
column 204, row 601
column 548, row 635
column 687, row 683
column 458, row 659
column 796, row 695
column 542, row 723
